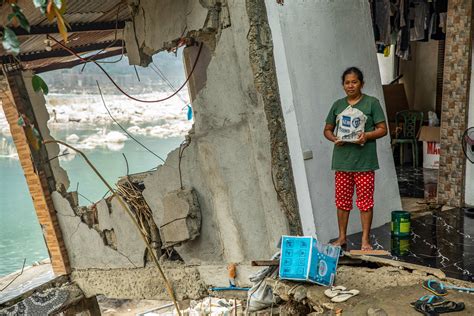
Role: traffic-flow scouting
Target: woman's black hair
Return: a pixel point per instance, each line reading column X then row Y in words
column 353, row 70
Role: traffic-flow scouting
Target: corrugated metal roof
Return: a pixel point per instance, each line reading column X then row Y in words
column 78, row 12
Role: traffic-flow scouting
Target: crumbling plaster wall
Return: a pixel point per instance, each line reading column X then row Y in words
column 238, row 143
column 86, row 246
column 229, row 160
column 38, row 103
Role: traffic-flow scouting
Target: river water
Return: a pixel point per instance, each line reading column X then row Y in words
column 20, row 232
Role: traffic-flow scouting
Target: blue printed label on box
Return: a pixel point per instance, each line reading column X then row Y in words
column 305, row 259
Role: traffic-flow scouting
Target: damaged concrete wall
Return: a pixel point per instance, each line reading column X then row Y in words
column 228, row 162
column 38, row 103
column 318, row 40
column 87, row 246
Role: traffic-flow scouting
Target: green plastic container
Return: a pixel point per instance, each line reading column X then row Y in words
column 400, row 245
column 400, row 223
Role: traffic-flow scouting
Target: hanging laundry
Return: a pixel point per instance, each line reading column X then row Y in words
column 382, row 21
column 440, row 7
column 419, row 20
column 403, row 21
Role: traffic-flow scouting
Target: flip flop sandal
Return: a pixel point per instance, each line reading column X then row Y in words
column 334, row 291
column 425, row 309
column 429, row 299
column 448, row 307
column 344, row 296
column 435, row 287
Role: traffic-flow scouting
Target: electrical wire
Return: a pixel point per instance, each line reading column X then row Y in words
column 155, row 68
column 122, row 128
column 118, row 87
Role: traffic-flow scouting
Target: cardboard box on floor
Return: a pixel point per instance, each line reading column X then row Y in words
column 430, row 136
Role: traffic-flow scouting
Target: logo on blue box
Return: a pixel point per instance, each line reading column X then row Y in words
column 346, row 121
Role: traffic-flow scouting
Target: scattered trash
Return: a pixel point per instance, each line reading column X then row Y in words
column 232, row 269
column 376, row 312
column 343, row 296
column 261, row 296
column 438, row 288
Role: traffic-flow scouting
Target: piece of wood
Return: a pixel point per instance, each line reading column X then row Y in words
column 394, row 263
column 259, row 263
column 369, row 252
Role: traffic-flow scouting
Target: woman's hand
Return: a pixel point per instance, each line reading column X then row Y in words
column 339, row 142
column 362, row 139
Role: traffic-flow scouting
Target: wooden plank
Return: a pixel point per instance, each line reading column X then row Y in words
column 369, row 252
column 394, row 263
column 259, row 263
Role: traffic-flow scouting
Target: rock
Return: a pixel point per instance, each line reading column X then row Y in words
column 376, row 312
column 182, row 217
column 419, row 272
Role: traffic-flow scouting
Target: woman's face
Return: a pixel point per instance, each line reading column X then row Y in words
column 352, row 85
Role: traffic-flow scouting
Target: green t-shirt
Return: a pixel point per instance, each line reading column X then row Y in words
column 354, row 157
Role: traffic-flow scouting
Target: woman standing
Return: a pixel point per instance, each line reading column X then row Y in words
column 355, row 162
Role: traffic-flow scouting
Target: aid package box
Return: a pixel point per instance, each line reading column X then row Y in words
column 306, row 259
column 350, row 123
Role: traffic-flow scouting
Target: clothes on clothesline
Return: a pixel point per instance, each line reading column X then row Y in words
column 401, row 21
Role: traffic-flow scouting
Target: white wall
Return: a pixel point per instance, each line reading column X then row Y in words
column 386, row 66
column 419, row 75
column 314, row 42
column 469, row 184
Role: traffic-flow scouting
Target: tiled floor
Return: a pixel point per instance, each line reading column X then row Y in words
column 417, row 182
column 439, row 239
column 443, row 240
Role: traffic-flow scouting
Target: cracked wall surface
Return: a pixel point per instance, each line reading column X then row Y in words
column 237, row 143
column 237, row 161
column 86, row 246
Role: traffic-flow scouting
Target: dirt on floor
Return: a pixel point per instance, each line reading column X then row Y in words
column 386, row 289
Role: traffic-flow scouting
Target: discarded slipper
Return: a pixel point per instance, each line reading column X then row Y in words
column 334, row 290
column 435, row 287
column 448, row 307
column 429, row 299
column 444, row 307
column 344, row 296
column 425, row 309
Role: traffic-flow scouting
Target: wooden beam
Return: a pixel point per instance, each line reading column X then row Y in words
column 73, row 63
column 61, row 52
column 264, row 263
column 75, row 28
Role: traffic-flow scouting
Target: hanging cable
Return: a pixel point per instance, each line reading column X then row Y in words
column 122, row 128
column 163, row 77
column 118, row 87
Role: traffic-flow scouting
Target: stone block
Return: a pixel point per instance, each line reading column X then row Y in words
column 181, row 220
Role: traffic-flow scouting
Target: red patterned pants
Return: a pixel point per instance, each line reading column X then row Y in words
column 364, row 183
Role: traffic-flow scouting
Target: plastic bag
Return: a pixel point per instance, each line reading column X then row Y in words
column 433, row 119
column 350, row 123
column 260, row 296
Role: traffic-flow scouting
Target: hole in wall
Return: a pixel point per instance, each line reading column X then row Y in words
column 79, row 118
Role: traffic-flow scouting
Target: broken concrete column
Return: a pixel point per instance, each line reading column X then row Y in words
column 181, row 218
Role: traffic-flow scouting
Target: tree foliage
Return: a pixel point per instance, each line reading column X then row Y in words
column 52, row 9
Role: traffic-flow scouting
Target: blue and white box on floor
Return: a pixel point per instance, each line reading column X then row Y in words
column 306, row 259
